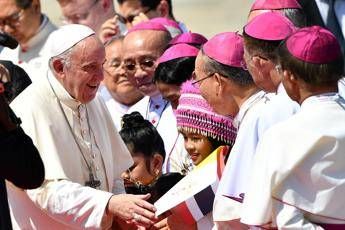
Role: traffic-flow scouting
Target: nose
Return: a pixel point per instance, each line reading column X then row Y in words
column 7, row 29
column 125, row 175
column 140, row 74
column 188, row 145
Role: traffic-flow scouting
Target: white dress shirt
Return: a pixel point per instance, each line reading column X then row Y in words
column 29, row 57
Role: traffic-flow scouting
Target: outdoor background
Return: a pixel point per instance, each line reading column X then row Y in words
column 207, row 17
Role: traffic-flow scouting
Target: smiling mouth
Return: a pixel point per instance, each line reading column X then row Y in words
column 93, row 86
column 194, row 156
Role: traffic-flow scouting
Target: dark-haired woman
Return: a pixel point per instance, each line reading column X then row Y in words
column 147, row 149
column 175, row 67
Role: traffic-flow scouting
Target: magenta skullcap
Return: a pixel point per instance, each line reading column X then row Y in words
column 275, row 5
column 172, row 26
column 270, row 26
column 226, row 48
column 148, row 25
column 194, row 114
column 189, row 38
column 314, row 45
column 178, row 51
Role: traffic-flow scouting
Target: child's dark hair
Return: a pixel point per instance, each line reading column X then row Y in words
column 313, row 74
column 141, row 136
column 175, row 71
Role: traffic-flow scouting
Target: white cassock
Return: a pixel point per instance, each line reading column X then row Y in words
column 246, row 121
column 298, row 174
column 115, row 108
column 63, row 202
column 160, row 113
column 341, row 87
column 28, row 57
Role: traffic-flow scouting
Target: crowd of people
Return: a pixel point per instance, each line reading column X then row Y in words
column 110, row 111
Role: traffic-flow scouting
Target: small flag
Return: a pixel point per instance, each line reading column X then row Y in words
column 192, row 197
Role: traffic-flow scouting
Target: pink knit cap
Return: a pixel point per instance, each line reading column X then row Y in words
column 189, row 38
column 314, row 45
column 148, row 25
column 178, row 51
column 195, row 115
column 226, row 48
column 275, row 5
column 271, row 26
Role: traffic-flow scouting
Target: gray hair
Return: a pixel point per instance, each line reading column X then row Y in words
column 64, row 57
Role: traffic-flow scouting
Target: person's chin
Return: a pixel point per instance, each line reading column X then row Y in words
column 147, row 89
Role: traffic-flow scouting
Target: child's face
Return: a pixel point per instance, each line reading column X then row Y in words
column 197, row 146
column 138, row 173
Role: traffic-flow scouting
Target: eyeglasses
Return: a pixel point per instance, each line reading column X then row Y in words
column 201, row 79
column 77, row 18
column 12, row 20
column 145, row 65
column 130, row 18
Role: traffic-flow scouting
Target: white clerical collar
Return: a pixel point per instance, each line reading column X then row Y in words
column 40, row 35
column 320, row 98
column 281, row 89
column 61, row 93
column 250, row 102
column 105, row 94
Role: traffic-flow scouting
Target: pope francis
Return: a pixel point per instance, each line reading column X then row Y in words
column 82, row 152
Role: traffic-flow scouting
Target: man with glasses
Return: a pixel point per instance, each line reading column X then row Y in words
column 24, row 21
column 91, row 13
column 143, row 45
column 117, row 92
column 228, row 87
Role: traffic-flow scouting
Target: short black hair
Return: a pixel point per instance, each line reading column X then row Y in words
column 151, row 4
column 236, row 74
column 175, row 71
column 263, row 48
column 23, row 4
column 314, row 74
column 141, row 136
column 296, row 16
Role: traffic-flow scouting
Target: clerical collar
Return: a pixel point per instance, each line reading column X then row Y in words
column 321, row 98
column 39, row 37
column 281, row 89
column 61, row 93
column 246, row 106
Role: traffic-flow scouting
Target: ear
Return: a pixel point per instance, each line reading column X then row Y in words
column 58, row 67
column 36, row 5
column 220, row 84
column 106, row 4
column 156, row 164
column 163, row 9
column 291, row 85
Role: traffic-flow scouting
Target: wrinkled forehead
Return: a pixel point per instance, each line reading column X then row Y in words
column 146, row 42
column 72, row 7
column 89, row 49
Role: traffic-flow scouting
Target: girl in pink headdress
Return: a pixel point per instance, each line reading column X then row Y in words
column 203, row 129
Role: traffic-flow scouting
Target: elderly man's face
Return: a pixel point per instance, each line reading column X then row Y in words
column 86, row 12
column 84, row 73
column 22, row 24
column 211, row 89
column 141, row 51
column 115, row 78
